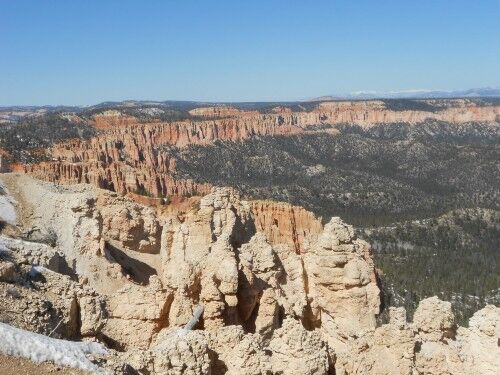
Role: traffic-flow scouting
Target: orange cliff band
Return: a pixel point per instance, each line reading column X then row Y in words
column 126, row 155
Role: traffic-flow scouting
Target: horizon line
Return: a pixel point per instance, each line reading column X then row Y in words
column 355, row 95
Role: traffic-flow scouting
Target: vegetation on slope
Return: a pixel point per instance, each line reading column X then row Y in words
column 27, row 141
column 454, row 256
column 370, row 177
column 396, row 181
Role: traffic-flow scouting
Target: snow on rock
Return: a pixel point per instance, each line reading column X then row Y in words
column 39, row 348
column 7, row 209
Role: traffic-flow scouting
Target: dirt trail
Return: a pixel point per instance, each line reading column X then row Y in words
column 21, row 366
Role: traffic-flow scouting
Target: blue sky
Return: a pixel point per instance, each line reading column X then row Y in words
column 88, row 51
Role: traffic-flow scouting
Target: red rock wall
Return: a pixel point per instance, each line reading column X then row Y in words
column 283, row 223
column 127, row 156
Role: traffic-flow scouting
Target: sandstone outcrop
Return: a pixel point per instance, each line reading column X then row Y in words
column 84, row 263
column 181, row 353
column 220, row 111
column 136, row 313
column 87, row 226
column 213, row 256
column 239, row 268
column 429, row 345
column 479, row 344
column 283, row 223
column 341, row 282
column 45, row 298
column 297, row 351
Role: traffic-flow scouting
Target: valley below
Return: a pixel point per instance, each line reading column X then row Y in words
column 397, row 183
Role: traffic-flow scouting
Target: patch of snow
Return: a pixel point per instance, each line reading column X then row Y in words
column 39, row 348
column 36, row 270
column 152, row 111
column 33, row 248
column 3, row 245
column 7, row 209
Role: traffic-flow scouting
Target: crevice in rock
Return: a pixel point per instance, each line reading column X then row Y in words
column 249, row 325
column 163, row 321
column 195, row 289
column 241, row 233
column 383, row 316
column 218, row 366
column 308, row 320
column 111, row 343
column 108, row 185
column 138, row 271
column 281, row 316
column 74, row 320
column 59, row 264
column 418, row 347
column 331, row 365
column 78, row 320
column 231, row 315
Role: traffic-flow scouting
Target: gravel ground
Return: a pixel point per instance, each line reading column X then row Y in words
column 21, row 366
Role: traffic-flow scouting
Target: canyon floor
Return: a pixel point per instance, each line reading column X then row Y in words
column 20, row 366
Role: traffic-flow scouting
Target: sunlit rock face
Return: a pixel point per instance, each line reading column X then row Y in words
column 104, row 268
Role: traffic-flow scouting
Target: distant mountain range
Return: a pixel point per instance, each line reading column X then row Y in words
column 187, row 105
column 416, row 94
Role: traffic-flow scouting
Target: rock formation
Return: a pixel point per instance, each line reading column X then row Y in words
column 283, row 223
column 430, row 345
column 83, row 263
column 128, row 155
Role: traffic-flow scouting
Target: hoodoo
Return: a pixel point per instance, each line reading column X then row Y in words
column 208, row 292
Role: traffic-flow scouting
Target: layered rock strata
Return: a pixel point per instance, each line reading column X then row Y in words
column 283, row 223
column 130, row 156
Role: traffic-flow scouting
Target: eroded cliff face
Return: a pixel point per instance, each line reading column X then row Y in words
column 245, row 280
column 129, row 156
column 368, row 113
column 109, row 269
column 141, row 276
column 431, row 344
column 283, row 223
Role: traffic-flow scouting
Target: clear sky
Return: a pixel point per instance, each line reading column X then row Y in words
column 88, row 51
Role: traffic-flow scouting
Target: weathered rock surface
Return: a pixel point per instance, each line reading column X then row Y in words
column 479, row 344
column 297, row 351
column 283, row 223
column 8, row 272
column 178, row 352
column 84, row 263
column 429, row 345
column 103, row 237
column 341, row 281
